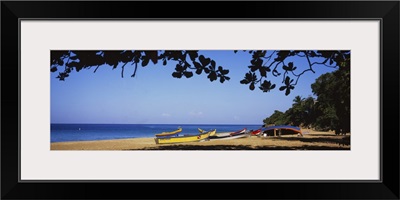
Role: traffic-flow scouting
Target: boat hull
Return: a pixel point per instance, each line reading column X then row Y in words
column 230, row 137
column 184, row 139
column 169, row 134
column 293, row 129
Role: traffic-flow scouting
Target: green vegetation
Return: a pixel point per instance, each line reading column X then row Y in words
column 329, row 111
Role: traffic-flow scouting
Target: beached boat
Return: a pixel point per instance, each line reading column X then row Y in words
column 256, row 132
column 185, row 138
column 239, row 132
column 293, row 129
column 228, row 135
column 169, row 134
column 203, row 131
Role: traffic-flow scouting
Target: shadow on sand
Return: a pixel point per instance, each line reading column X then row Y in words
column 243, row 147
column 341, row 141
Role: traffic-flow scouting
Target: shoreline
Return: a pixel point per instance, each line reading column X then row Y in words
column 312, row 140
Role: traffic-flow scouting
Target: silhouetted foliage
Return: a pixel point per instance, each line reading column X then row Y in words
column 263, row 64
column 333, row 102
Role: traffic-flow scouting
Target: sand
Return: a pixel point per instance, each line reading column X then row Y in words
column 312, row 140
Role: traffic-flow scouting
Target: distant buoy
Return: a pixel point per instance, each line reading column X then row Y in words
column 79, row 128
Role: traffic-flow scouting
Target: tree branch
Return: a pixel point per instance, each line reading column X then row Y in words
column 269, row 57
column 298, row 76
column 309, row 62
column 122, row 71
column 134, row 72
column 96, row 69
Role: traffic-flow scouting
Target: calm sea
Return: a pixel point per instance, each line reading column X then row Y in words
column 86, row 132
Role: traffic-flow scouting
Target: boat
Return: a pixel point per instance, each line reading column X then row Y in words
column 256, row 132
column 228, row 135
column 203, row 131
column 294, row 129
column 169, row 134
column 238, row 132
column 185, row 138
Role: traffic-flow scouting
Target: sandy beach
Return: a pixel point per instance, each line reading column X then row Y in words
column 312, row 140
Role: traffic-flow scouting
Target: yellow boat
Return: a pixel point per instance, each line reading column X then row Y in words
column 186, row 138
column 169, row 134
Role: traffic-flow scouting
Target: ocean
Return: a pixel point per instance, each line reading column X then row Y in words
column 87, row 132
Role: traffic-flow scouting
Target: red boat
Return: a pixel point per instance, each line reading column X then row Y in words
column 256, row 132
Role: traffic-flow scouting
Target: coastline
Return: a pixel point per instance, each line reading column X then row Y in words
column 312, row 140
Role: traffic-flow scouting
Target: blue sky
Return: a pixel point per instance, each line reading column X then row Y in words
column 155, row 97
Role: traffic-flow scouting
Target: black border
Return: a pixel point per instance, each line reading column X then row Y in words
column 386, row 11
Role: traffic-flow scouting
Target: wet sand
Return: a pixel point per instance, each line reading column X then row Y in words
column 312, row 140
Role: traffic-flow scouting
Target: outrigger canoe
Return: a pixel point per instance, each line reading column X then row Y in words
column 238, row 132
column 228, row 135
column 169, row 134
column 185, row 138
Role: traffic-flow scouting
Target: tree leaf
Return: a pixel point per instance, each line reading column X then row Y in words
column 263, row 72
column 188, row 74
column 212, row 76
column 251, row 87
column 197, row 65
column 165, row 62
column 204, row 61
column 193, row 55
column 213, row 64
column 222, row 79
column 145, row 61
column 198, row 71
column 225, row 71
column 248, row 76
column 177, row 74
column 287, row 91
column 258, row 62
column 282, row 88
column 244, row 81
column 179, row 68
column 53, row 69
column 287, row 80
column 253, row 68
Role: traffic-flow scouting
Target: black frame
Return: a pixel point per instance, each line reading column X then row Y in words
column 386, row 11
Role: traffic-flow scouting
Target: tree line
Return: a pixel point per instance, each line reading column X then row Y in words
column 329, row 111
